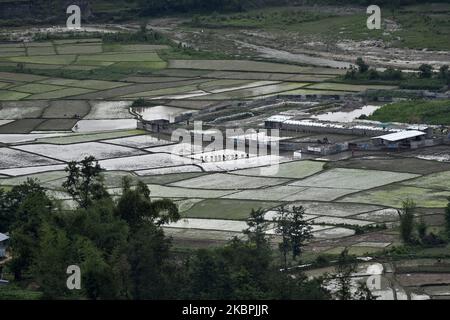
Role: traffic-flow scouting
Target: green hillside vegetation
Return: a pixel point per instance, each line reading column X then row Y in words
column 420, row 111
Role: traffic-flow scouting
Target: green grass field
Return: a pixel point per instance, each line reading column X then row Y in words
column 226, row 209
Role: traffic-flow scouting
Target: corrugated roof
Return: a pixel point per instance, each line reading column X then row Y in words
column 397, row 136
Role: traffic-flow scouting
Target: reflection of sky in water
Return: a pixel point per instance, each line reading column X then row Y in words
column 342, row 116
column 160, row 112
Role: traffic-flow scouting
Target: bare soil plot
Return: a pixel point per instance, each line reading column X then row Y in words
column 421, row 279
column 175, row 192
column 226, row 181
column 226, row 209
column 353, row 179
column 10, row 158
column 67, row 109
column 80, row 150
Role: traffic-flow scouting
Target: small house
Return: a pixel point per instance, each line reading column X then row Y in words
column 4, row 239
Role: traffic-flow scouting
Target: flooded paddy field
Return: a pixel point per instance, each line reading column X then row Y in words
column 63, row 100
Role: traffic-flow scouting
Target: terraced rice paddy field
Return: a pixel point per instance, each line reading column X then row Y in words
column 81, row 105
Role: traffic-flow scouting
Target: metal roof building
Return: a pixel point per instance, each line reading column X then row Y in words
column 403, row 139
column 402, row 135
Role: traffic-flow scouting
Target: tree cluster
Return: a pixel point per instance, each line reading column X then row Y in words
column 123, row 253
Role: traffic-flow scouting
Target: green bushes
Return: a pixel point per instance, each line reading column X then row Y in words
column 416, row 111
column 426, row 79
column 422, row 84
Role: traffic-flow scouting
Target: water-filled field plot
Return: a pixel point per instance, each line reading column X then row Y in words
column 226, row 181
column 147, row 161
column 76, row 152
column 353, row 179
column 11, row 158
